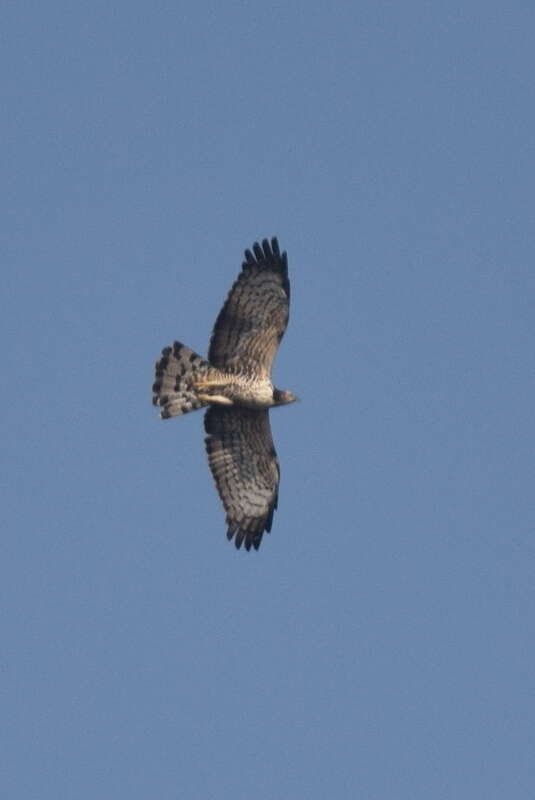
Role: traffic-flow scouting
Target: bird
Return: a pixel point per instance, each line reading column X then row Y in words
column 234, row 384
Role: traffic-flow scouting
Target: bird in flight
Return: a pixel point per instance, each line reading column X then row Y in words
column 234, row 382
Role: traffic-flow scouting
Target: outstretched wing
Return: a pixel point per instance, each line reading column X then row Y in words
column 245, row 469
column 252, row 322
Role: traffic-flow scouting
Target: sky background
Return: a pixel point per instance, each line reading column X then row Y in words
column 381, row 644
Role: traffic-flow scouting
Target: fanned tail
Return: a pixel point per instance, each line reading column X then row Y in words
column 173, row 388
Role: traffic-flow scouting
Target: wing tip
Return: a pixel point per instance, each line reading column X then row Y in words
column 249, row 538
column 266, row 254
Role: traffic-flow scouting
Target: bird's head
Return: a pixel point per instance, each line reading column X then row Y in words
column 281, row 398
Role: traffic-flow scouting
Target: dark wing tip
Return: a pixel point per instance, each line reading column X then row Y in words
column 240, row 536
column 249, row 538
column 268, row 255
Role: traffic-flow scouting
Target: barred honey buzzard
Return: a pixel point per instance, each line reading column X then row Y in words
column 235, row 383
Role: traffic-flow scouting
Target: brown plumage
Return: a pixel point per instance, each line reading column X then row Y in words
column 235, row 382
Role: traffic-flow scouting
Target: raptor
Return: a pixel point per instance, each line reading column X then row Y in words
column 235, row 385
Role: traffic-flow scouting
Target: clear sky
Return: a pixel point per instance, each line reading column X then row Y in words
column 381, row 644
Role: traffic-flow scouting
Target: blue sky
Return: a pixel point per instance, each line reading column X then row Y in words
column 381, row 642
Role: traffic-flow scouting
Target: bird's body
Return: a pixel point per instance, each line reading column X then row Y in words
column 235, row 389
column 235, row 382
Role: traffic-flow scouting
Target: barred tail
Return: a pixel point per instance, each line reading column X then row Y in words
column 173, row 388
